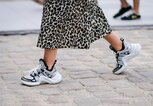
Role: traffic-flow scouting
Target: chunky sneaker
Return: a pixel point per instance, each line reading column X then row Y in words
column 122, row 11
column 132, row 16
column 122, row 57
column 41, row 74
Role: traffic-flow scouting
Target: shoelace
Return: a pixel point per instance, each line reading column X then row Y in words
column 119, row 59
column 36, row 71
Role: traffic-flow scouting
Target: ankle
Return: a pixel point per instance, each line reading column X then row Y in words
column 125, row 5
column 51, row 66
column 135, row 12
column 120, row 46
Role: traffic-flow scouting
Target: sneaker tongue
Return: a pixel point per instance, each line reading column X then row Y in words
column 42, row 64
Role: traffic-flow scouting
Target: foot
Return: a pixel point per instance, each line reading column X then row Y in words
column 123, row 56
column 122, row 11
column 41, row 75
column 132, row 16
column 40, row 1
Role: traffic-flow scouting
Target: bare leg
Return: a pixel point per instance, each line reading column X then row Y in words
column 49, row 57
column 136, row 4
column 124, row 3
column 114, row 40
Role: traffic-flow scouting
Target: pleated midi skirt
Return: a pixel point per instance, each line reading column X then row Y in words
column 72, row 24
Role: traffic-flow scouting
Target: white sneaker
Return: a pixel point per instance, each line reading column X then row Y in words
column 122, row 57
column 41, row 75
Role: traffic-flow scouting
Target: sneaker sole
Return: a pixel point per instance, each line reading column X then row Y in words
column 137, row 48
column 43, row 80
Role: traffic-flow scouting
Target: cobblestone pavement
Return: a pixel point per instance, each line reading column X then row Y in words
column 88, row 78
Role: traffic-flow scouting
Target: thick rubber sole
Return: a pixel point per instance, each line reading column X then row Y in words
column 44, row 80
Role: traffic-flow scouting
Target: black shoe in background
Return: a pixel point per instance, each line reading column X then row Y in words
column 132, row 16
column 122, row 11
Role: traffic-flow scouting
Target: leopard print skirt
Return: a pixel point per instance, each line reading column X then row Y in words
column 72, row 24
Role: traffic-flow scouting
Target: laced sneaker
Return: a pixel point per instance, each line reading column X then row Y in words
column 41, row 75
column 122, row 11
column 123, row 56
column 132, row 16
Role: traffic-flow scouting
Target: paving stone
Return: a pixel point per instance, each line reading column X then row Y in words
column 22, row 61
column 77, row 94
column 32, row 104
column 70, row 86
column 121, row 84
column 65, row 57
column 90, row 101
column 148, row 75
column 11, row 77
column 99, row 54
column 9, row 103
column 107, row 94
column 50, row 91
column 70, row 63
column 83, row 74
column 7, row 99
column 112, row 77
column 64, row 104
column 18, row 54
column 9, row 69
column 129, row 92
column 17, row 86
column 86, row 59
column 103, row 69
column 92, row 82
column 145, row 86
column 135, row 77
column 57, row 99
column 142, row 101
column 74, row 67
column 117, row 101
column 107, row 61
column 151, row 93
column 117, row 104
column 80, row 97
column 92, row 63
column 142, row 69
column 100, row 88
column 25, row 68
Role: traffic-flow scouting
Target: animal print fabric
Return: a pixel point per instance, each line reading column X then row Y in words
column 72, row 24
